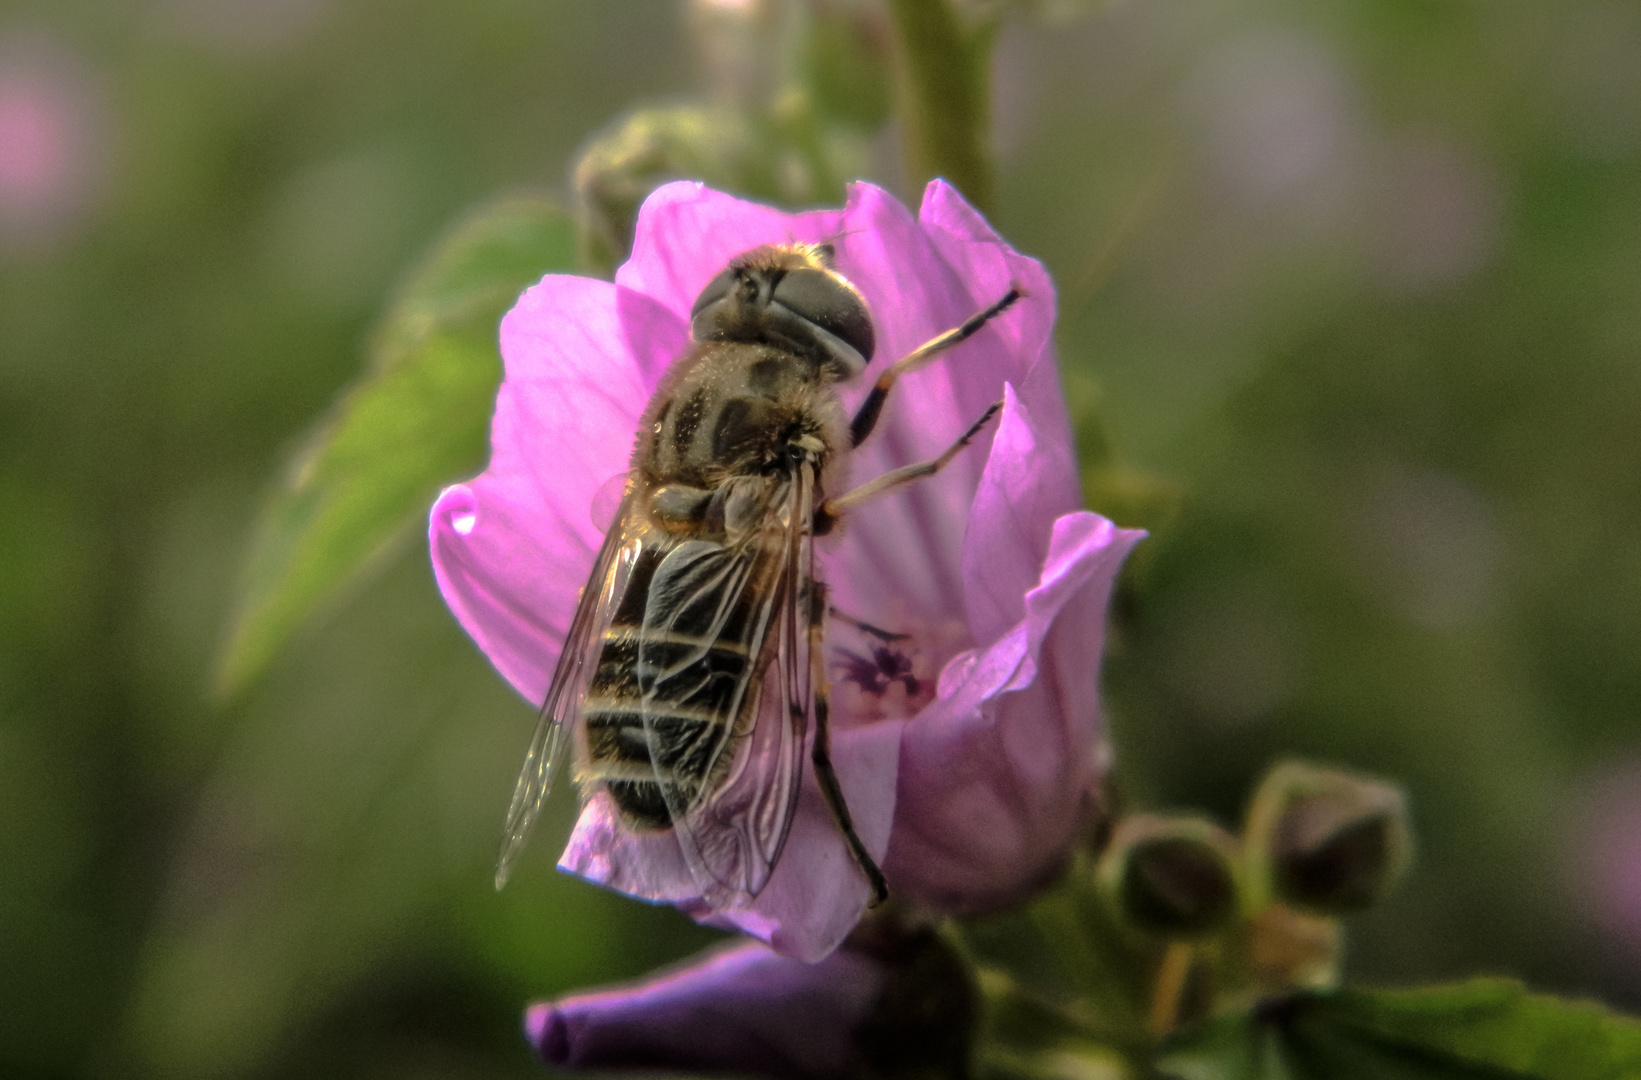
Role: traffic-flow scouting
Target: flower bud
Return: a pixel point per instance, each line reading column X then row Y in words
column 622, row 164
column 1170, row 876
column 1328, row 841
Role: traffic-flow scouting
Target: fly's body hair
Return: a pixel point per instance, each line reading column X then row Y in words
column 733, row 410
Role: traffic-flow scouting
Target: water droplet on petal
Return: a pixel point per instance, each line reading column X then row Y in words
column 463, row 523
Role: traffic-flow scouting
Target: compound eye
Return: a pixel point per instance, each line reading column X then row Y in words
column 716, row 290
column 829, row 302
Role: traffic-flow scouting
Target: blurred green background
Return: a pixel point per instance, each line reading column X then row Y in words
column 1354, row 288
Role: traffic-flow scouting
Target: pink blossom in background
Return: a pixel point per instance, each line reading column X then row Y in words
column 34, row 148
column 51, row 138
column 1605, row 839
column 967, row 757
column 1437, row 214
column 1276, row 118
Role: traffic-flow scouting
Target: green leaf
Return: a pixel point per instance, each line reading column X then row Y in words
column 417, row 420
column 1487, row 1029
column 1497, row 1021
column 1227, row 1048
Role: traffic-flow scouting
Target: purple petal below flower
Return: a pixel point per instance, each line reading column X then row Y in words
column 895, row 1000
column 742, row 1009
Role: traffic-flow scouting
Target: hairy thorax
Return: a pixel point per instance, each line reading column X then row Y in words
column 739, row 416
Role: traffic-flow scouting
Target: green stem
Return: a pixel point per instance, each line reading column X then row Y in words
column 941, row 84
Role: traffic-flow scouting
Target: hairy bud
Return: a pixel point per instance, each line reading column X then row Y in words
column 1328, row 841
column 1170, row 876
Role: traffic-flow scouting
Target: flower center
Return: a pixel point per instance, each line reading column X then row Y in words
column 887, row 674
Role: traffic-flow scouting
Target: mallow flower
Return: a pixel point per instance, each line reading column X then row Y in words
column 967, row 750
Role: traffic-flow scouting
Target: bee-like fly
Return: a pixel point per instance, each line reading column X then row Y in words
column 693, row 667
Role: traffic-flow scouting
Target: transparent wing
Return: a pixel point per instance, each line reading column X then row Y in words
column 762, row 792
column 726, row 748
column 576, row 664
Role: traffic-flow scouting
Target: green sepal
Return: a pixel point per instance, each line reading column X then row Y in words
column 645, row 148
column 363, row 479
column 1062, row 977
column 785, row 155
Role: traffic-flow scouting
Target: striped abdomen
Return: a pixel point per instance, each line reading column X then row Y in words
column 685, row 648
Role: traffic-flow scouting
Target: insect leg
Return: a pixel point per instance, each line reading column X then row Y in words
column 866, row 417
column 865, row 627
column 822, row 753
column 832, row 509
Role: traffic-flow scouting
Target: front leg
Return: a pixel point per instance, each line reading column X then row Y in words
column 866, row 416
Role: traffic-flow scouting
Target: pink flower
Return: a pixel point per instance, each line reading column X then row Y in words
column 53, row 139
column 967, row 751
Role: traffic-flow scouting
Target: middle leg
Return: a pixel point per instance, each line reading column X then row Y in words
column 866, row 416
column 832, row 509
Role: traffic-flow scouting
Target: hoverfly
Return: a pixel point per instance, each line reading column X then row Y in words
column 693, row 667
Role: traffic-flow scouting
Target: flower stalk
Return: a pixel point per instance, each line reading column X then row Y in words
column 942, row 92
column 1169, row 988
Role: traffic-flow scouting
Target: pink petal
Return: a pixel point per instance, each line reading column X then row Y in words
column 1038, row 481
column 513, row 547
column 1024, row 489
column 982, row 258
column 910, row 544
column 816, row 893
column 740, row 1009
column 994, row 774
column 978, row 256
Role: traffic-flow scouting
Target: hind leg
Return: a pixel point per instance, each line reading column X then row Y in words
column 821, row 755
